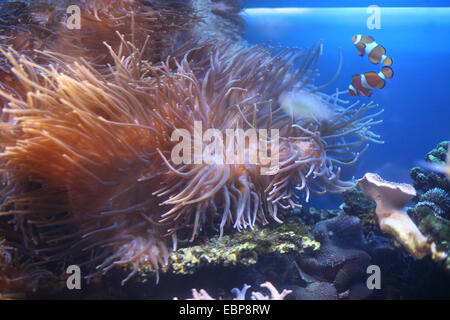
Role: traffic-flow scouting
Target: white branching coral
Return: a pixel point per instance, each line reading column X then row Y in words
column 240, row 294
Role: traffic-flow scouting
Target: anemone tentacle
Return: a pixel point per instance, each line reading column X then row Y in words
column 86, row 153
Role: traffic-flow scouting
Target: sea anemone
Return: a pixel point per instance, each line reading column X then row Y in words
column 70, row 173
column 157, row 23
column 31, row 27
column 221, row 19
column 18, row 275
column 39, row 31
column 27, row 26
column 87, row 172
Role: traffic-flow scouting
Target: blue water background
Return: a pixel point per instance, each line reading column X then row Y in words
column 416, row 100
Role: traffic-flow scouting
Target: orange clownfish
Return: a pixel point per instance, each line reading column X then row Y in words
column 375, row 52
column 364, row 83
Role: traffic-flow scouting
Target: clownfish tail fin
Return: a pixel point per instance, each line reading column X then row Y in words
column 387, row 72
column 387, row 61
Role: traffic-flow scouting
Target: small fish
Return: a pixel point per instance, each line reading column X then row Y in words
column 437, row 167
column 364, row 83
column 305, row 105
column 375, row 52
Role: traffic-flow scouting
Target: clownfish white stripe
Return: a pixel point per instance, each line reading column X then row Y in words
column 383, row 57
column 358, row 39
column 364, row 82
column 370, row 47
column 381, row 75
column 351, row 87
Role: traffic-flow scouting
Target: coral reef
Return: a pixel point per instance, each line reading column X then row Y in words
column 86, row 139
column 241, row 249
column 425, row 179
column 432, row 205
column 87, row 175
column 438, row 154
column 356, row 204
column 438, row 200
column 333, row 269
column 274, row 294
column 400, row 271
column 391, row 199
column 311, row 215
column 315, row 291
column 341, row 260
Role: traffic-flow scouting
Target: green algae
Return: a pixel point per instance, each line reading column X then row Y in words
column 356, row 204
column 432, row 207
column 241, row 248
column 437, row 229
column 438, row 154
